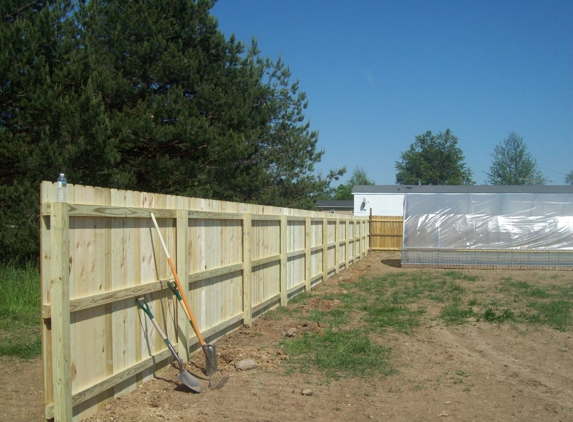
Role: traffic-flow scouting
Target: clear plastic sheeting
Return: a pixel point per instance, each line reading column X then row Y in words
column 449, row 222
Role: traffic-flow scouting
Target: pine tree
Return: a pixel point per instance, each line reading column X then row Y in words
column 513, row 164
column 145, row 95
column 287, row 149
column 178, row 99
column 48, row 115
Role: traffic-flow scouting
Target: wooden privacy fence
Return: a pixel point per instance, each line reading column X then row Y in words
column 386, row 233
column 100, row 252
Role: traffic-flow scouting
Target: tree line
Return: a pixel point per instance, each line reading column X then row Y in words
column 438, row 160
column 144, row 95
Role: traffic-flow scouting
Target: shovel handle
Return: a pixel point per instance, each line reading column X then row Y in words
column 175, row 290
column 142, row 303
column 174, row 272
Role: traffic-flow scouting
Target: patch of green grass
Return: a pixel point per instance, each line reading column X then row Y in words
column 398, row 301
column 459, row 275
column 473, row 302
column 556, row 313
column 452, row 314
column 281, row 312
column 333, row 317
column 388, row 315
column 523, row 288
column 25, row 344
column 20, row 311
column 300, row 298
column 490, row 315
column 338, row 354
column 348, row 299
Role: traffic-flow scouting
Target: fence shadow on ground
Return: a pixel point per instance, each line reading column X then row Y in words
column 397, row 263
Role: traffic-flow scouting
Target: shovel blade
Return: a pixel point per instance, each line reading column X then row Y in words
column 211, row 359
column 190, row 381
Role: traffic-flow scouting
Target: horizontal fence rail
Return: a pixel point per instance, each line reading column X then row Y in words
column 100, row 252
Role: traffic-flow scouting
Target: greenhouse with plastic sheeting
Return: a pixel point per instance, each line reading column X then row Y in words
column 487, row 230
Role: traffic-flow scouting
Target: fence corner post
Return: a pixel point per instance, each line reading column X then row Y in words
column 60, row 303
column 247, row 268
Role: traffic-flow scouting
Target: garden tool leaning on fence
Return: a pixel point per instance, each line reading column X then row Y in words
column 210, row 370
column 208, row 349
column 184, row 376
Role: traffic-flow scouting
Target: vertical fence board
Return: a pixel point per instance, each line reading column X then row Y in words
column 307, row 253
column 60, row 301
column 324, row 248
column 247, row 267
column 283, row 262
column 184, row 328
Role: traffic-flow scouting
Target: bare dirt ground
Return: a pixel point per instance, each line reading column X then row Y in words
column 473, row 372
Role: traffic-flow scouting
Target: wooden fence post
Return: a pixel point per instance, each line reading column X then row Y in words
column 370, row 230
column 184, row 331
column 324, row 248
column 60, row 309
column 283, row 260
column 347, row 238
column 337, row 245
column 307, row 254
column 357, row 245
column 247, row 268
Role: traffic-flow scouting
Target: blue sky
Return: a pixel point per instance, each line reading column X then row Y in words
column 377, row 73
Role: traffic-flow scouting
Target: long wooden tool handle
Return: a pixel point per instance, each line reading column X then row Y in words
column 174, row 272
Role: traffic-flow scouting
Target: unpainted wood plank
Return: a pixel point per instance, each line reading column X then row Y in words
column 46, row 274
column 307, row 247
column 247, row 269
column 60, row 301
column 283, row 264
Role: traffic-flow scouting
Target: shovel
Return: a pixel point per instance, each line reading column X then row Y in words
column 208, row 349
column 184, row 376
column 210, row 352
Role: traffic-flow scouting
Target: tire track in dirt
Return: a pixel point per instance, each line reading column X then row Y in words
column 502, row 355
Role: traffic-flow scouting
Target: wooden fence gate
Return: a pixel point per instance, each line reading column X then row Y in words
column 386, row 233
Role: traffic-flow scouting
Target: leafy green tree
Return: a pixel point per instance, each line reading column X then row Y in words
column 434, row 160
column 569, row 178
column 513, row 164
column 359, row 177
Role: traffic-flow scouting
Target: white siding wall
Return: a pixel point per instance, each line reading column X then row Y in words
column 389, row 204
